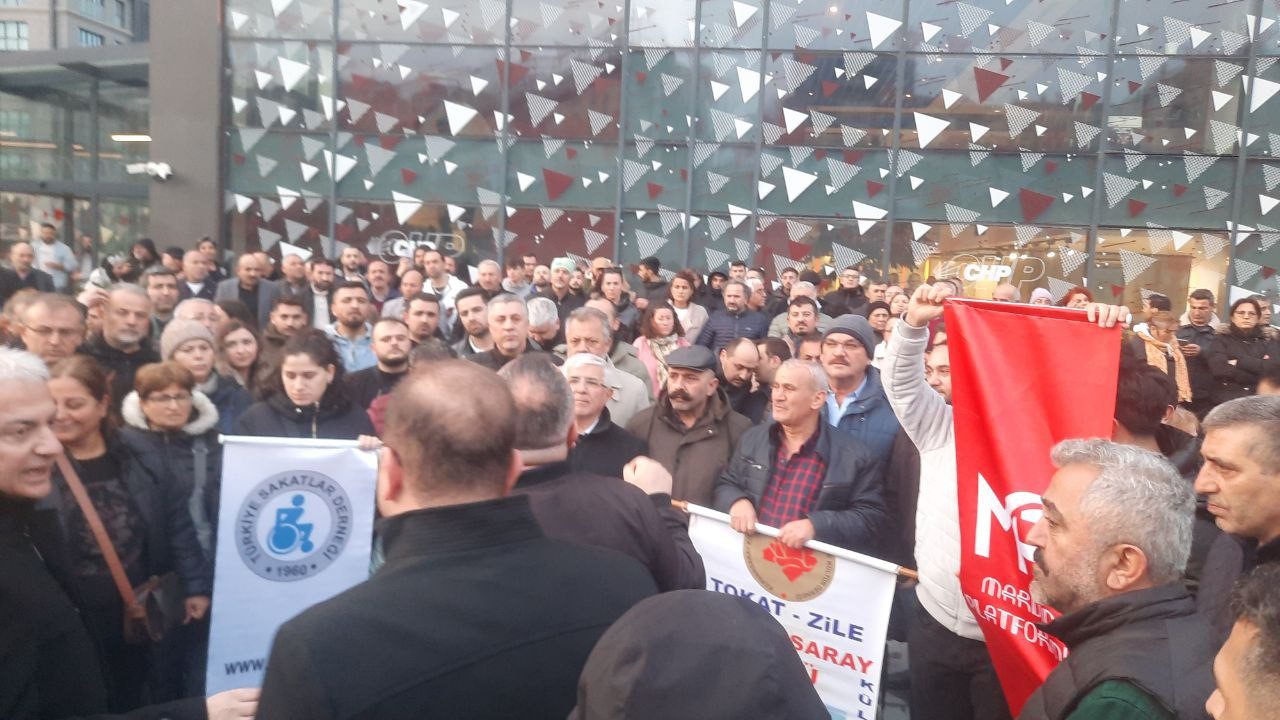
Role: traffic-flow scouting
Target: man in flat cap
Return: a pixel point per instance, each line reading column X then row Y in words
column 691, row 430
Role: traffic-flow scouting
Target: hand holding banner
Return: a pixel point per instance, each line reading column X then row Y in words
column 1024, row 377
column 295, row 527
column 834, row 604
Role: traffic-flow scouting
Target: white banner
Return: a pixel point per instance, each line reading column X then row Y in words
column 833, row 604
column 295, row 527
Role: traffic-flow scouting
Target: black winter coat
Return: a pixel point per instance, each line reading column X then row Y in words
column 523, row 611
column 606, row 449
column 48, row 666
column 1253, row 353
column 120, row 366
column 333, row 418
column 607, row 512
column 190, row 459
column 723, row 326
column 850, row 511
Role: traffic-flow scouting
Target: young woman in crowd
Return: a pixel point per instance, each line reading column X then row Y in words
column 191, row 345
column 238, row 354
column 308, row 399
column 691, row 315
column 148, row 522
column 1240, row 352
column 145, row 254
column 660, row 333
column 229, row 310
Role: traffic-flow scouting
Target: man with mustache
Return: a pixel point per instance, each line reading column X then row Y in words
column 691, row 430
column 120, row 348
column 857, row 404
column 800, row 475
column 1111, row 548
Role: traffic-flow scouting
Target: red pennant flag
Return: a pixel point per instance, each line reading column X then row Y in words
column 1033, row 204
column 557, row 183
column 988, row 81
column 1003, row 466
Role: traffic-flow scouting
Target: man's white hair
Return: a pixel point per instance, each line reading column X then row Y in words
column 21, row 366
column 542, row 311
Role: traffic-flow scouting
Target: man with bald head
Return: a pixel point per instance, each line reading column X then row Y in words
column 249, row 287
column 198, row 310
column 195, row 277
column 52, row 327
column 23, row 258
column 121, row 347
column 458, row 545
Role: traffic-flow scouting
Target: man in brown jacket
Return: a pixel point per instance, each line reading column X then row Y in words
column 691, row 430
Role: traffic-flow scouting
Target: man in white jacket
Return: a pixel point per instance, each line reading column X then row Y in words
column 952, row 677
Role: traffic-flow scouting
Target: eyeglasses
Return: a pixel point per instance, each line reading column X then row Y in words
column 169, row 399
column 48, row 332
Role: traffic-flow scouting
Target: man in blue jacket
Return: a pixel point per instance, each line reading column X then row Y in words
column 857, row 405
column 735, row 321
column 799, row 475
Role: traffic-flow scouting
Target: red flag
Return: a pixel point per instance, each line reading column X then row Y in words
column 1024, row 377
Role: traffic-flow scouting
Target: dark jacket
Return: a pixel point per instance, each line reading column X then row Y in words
column 753, row 405
column 334, row 417
column 723, row 326
column 1183, row 452
column 170, row 541
column 120, row 366
column 655, row 291
column 628, row 315
column 1229, row 558
column 37, row 280
column 523, row 611
column 696, row 655
column 230, row 399
column 1202, row 382
column 695, row 455
column 708, row 298
column 1151, row 638
column 190, row 459
column 364, row 386
column 48, row 665
column 902, row 495
column 608, row 512
column 850, row 511
column 842, row 302
column 870, row 419
column 1253, row 353
column 605, row 449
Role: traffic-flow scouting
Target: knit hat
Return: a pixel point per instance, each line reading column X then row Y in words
column 563, row 263
column 1041, row 294
column 856, row 327
column 178, row 332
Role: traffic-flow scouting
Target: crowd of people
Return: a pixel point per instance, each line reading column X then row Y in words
column 534, row 424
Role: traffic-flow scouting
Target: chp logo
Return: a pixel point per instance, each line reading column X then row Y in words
column 293, row 525
column 787, row 573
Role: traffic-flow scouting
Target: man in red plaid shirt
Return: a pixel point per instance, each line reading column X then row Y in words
column 801, row 476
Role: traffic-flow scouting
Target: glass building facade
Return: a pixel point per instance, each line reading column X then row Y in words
column 1128, row 143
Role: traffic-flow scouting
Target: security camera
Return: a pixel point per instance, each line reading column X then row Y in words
column 160, row 171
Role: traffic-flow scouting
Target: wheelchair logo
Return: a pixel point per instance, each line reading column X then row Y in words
column 293, row 525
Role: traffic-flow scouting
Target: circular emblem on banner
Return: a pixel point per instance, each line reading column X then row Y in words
column 293, row 525
column 786, row 573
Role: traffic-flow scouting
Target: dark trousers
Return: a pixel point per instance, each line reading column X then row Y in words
column 952, row 677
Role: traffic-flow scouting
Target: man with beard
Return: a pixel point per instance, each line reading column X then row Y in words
column 802, row 316
column 736, row 320
column 422, row 316
column 559, row 292
column 350, row 333
column 391, row 346
column 473, row 315
column 319, row 296
column 162, row 288
column 287, row 318
column 352, row 262
column 444, row 286
column 691, row 430
column 738, row 362
column 541, row 279
column 1111, row 548
column 119, row 348
column 508, row 319
column 654, row 288
column 779, row 298
column 379, row 281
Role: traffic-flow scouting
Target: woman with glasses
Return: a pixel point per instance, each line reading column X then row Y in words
column 1241, row 352
column 147, row 520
